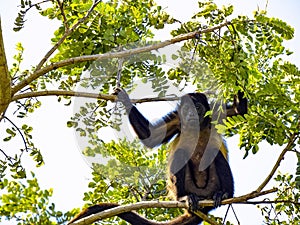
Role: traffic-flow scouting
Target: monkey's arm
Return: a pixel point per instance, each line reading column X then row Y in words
column 150, row 134
column 225, row 176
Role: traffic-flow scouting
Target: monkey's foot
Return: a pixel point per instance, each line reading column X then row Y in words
column 218, row 197
column 193, row 202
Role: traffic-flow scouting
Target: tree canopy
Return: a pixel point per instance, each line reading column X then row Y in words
column 101, row 45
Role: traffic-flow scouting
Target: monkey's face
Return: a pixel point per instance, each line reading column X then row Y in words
column 192, row 111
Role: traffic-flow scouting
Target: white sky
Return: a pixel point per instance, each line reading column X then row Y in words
column 65, row 169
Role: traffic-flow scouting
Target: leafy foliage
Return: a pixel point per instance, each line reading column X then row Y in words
column 110, row 26
column 245, row 55
column 127, row 23
column 26, row 5
column 14, row 162
column 288, row 198
column 28, row 204
column 138, row 175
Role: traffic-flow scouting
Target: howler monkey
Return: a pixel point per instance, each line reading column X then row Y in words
column 197, row 167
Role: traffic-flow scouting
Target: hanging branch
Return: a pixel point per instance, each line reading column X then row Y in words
column 119, row 73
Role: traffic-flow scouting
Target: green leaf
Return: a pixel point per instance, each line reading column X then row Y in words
column 11, row 132
column 7, row 138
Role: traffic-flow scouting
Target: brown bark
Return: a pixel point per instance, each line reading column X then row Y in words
column 5, row 87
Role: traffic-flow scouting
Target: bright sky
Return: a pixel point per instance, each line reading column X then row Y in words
column 65, row 169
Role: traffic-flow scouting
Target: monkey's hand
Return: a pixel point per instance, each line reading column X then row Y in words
column 123, row 97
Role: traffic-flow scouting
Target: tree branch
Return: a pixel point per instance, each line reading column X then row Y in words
column 36, row 74
column 272, row 202
column 106, row 97
column 112, row 98
column 63, row 93
column 164, row 204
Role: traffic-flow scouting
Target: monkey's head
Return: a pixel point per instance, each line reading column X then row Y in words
column 192, row 110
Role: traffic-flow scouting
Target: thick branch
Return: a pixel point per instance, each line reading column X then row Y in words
column 110, row 55
column 164, row 204
column 288, row 147
column 5, row 89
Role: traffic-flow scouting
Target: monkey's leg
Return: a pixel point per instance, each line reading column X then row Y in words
column 225, row 178
column 177, row 171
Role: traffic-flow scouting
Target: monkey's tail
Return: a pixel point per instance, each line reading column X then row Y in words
column 135, row 219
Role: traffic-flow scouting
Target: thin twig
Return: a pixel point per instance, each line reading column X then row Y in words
column 271, row 202
column 61, row 8
column 7, row 156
